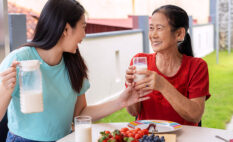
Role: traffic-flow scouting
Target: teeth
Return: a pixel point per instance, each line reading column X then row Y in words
column 156, row 43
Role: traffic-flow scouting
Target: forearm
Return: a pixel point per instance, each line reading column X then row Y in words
column 5, row 97
column 134, row 109
column 186, row 108
column 101, row 110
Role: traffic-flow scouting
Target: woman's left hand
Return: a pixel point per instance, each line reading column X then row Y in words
column 152, row 81
column 130, row 96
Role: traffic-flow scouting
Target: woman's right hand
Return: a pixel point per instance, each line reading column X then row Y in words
column 8, row 77
column 129, row 76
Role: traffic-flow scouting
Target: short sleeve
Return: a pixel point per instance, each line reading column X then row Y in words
column 199, row 83
column 85, row 87
column 5, row 64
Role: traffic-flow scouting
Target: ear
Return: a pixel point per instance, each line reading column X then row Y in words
column 180, row 34
column 67, row 30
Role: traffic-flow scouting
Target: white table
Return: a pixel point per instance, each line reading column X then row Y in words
column 186, row 134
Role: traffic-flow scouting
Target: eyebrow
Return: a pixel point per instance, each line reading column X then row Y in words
column 157, row 25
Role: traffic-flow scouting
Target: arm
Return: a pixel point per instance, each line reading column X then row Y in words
column 98, row 111
column 8, row 81
column 134, row 109
column 189, row 109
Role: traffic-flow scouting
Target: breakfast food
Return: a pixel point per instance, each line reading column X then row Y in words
column 129, row 135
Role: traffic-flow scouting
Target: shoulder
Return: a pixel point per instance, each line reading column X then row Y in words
column 195, row 62
column 14, row 55
column 23, row 52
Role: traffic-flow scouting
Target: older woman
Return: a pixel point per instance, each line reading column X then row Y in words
column 178, row 82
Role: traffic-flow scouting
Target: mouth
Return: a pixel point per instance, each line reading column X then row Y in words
column 155, row 43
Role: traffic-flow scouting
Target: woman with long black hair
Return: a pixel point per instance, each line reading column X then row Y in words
column 178, row 82
column 60, row 28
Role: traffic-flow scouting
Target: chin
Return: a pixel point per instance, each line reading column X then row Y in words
column 156, row 49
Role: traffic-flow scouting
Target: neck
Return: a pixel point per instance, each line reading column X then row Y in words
column 168, row 62
column 52, row 56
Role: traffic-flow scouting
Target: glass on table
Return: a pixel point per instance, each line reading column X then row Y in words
column 83, row 129
column 141, row 64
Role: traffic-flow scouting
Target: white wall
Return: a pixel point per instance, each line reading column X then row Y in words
column 203, row 40
column 199, row 9
column 107, row 59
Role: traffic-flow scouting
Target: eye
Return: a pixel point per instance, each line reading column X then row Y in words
column 151, row 28
column 159, row 28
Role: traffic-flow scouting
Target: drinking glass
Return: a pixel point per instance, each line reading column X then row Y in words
column 141, row 64
column 83, row 129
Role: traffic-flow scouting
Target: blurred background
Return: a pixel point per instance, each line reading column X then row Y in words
column 118, row 29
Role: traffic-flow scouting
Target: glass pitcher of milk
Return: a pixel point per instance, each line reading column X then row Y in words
column 30, row 81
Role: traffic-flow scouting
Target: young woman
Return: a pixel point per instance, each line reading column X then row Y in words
column 60, row 28
column 178, row 81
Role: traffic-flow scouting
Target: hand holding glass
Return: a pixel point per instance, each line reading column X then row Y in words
column 141, row 64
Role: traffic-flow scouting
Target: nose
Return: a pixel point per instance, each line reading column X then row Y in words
column 153, row 34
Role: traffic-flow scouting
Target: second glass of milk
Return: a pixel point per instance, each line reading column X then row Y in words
column 83, row 129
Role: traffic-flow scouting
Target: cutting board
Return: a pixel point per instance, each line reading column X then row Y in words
column 168, row 137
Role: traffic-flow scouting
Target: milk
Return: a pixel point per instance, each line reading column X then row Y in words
column 31, row 101
column 139, row 67
column 83, row 133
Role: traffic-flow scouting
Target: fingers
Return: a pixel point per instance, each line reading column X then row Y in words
column 143, row 99
column 8, row 77
column 130, row 84
column 145, row 72
column 144, row 84
column 131, row 67
column 129, row 77
column 7, row 71
column 130, row 74
column 14, row 64
column 131, row 70
column 145, row 93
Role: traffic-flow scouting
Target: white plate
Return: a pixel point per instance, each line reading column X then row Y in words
column 162, row 126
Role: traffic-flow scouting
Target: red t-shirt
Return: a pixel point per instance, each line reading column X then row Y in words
column 191, row 80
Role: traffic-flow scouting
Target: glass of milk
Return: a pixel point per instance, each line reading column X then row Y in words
column 83, row 129
column 141, row 64
column 30, row 81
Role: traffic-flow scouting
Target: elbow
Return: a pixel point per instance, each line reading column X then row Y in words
column 195, row 117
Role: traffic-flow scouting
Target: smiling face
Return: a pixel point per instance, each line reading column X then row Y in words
column 161, row 35
column 72, row 36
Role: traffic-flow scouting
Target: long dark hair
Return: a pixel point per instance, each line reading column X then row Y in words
column 178, row 18
column 51, row 24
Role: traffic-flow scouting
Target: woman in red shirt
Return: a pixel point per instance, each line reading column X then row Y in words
column 178, row 83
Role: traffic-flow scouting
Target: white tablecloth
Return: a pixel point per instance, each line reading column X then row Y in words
column 186, row 134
